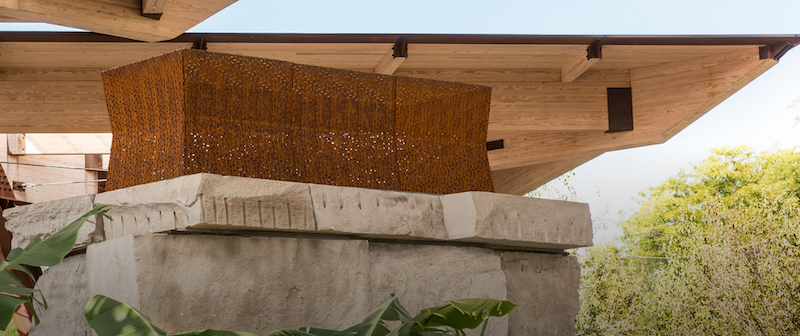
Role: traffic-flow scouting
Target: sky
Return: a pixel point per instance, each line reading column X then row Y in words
column 757, row 116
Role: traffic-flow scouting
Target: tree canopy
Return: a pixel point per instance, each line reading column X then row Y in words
column 715, row 250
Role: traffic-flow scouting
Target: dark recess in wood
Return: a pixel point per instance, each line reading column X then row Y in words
column 620, row 110
column 496, row 144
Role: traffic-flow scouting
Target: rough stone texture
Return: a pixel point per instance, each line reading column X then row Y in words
column 257, row 284
column 517, row 221
column 206, row 201
column 426, row 275
column 377, row 212
column 547, row 284
column 46, row 218
column 65, row 289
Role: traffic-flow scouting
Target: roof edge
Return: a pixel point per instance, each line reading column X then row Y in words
column 416, row 38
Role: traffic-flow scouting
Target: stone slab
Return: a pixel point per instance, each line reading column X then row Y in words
column 254, row 284
column 258, row 284
column 65, row 289
column 213, row 202
column 46, row 218
column 516, row 221
column 424, row 276
column 547, row 284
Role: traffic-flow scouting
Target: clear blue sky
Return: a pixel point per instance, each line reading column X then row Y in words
column 757, row 116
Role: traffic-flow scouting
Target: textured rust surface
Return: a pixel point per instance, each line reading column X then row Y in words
column 193, row 111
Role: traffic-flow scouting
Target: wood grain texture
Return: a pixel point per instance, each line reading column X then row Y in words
column 115, row 17
column 666, row 98
column 389, row 64
column 577, row 67
column 522, row 180
column 30, row 174
column 66, row 144
column 153, row 6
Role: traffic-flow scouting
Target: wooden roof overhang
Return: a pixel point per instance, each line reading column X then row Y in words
column 550, row 105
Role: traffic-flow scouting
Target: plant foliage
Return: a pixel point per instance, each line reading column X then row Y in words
column 713, row 251
column 109, row 317
column 38, row 253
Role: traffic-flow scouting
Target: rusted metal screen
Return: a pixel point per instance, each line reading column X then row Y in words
column 193, row 111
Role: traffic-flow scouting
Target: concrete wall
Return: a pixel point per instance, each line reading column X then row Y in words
column 258, row 284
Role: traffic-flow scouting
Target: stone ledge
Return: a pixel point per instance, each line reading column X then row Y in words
column 46, row 218
column 214, row 202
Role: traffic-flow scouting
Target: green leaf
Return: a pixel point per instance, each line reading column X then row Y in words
column 38, row 253
column 9, row 304
column 109, row 317
column 374, row 325
column 287, row 332
column 213, row 332
column 326, row 332
column 464, row 313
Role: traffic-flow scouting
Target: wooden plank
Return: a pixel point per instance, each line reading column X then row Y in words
column 576, row 67
column 115, row 17
column 522, row 180
column 61, row 144
column 30, row 174
column 80, row 54
column 349, row 56
column 666, row 98
column 16, row 144
column 153, row 6
column 389, row 64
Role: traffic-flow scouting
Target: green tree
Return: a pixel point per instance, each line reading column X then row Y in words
column 712, row 251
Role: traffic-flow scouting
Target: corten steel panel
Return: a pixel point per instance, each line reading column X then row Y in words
column 193, row 111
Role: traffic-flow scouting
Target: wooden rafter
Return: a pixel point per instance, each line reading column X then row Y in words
column 522, row 180
column 153, row 8
column 580, row 64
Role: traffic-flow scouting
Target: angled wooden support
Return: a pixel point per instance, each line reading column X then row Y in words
column 578, row 66
column 122, row 18
column 522, row 180
column 153, row 9
column 16, row 144
column 394, row 58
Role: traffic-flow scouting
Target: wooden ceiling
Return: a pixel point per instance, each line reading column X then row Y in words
column 50, row 83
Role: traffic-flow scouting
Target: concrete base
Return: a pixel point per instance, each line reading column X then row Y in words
column 258, row 284
column 209, row 251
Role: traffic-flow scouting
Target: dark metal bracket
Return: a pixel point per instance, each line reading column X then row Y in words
column 200, row 43
column 595, row 49
column 496, row 144
column 400, row 48
column 774, row 51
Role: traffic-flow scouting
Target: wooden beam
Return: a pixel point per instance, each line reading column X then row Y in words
column 16, row 144
column 115, row 17
column 392, row 61
column 579, row 65
column 29, row 174
column 389, row 64
column 522, row 180
column 666, row 99
column 153, row 9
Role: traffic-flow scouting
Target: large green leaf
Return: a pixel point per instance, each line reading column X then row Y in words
column 287, row 332
column 109, row 317
column 48, row 252
column 326, row 332
column 464, row 313
column 374, row 324
column 213, row 332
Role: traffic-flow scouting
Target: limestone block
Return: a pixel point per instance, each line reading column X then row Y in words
column 207, row 201
column 427, row 275
column 65, row 289
column 254, row 284
column 46, row 218
column 516, row 221
column 377, row 212
column 547, row 285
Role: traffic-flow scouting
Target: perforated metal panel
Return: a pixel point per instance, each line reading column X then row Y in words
column 193, row 111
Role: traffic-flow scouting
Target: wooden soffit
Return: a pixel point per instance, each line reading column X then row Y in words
column 550, row 102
